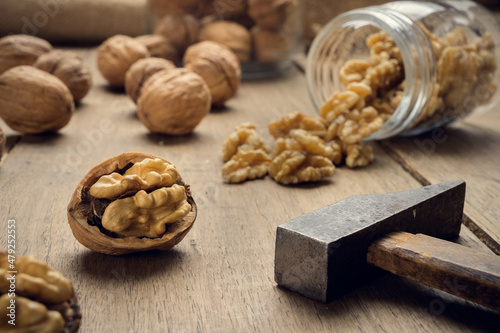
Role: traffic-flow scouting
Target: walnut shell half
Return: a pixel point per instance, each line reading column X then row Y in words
column 86, row 211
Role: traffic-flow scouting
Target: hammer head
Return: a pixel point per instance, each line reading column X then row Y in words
column 322, row 255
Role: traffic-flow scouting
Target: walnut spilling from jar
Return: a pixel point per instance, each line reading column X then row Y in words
column 45, row 300
column 245, row 154
column 132, row 202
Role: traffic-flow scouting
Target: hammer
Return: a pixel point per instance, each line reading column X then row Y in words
column 330, row 251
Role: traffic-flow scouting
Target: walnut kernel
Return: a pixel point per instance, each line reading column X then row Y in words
column 34, row 101
column 124, row 218
column 174, row 102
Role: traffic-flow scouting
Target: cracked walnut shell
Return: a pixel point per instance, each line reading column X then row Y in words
column 45, row 300
column 218, row 66
column 129, row 203
column 17, row 50
column 34, row 101
column 174, row 102
column 115, row 56
column 70, row 68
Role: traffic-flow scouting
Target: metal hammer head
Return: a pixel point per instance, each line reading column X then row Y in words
column 322, row 255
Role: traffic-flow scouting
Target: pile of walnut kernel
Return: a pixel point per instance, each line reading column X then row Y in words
column 44, row 299
column 307, row 148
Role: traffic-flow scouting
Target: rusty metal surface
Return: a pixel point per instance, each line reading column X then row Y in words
column 322, row 255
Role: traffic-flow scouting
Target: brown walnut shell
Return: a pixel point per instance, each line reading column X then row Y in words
column 79, row 211
column 159, row 47
column 218, row 66
column 70, row 68
column 115, row 56
column 180, row 30
column 2, row 143
column 142, row 70
column 174, row 102
column 17, row 50
column 34, row 101
column 231, row 34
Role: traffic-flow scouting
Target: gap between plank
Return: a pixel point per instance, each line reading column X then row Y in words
column 12, row 141
column 466, row 220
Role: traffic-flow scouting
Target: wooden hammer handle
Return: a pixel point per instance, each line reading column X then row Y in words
column 456, row 269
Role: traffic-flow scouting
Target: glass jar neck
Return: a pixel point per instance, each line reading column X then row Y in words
column 416, row 53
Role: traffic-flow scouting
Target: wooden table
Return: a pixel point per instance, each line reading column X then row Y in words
column 220, row 277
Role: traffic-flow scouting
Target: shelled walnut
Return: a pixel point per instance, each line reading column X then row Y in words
column 174, row 102
column 218, row 66
column 115, row 56
column 245, row 154
column 142, row 70
column 17, row 50
column 129, row 203
column 159, row 47
column 70, row 68
column 231, row 34
column 44, row 299
column 34, row 101
column 181, row 30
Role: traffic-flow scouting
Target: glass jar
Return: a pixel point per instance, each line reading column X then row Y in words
column 264, row 34
column 426, row 63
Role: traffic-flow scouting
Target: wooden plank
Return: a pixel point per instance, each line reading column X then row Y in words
column 465, row 150
column 220, row 278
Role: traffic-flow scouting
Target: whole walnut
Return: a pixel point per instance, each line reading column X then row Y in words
column 34, row 101
column 2, row 143
column 159, row 47
column 226, row 9
column 271, row 14
column 16, row 50
column 181, row 30
column 231, row 34
column 115, row 56
column 160, row 8
column 270, row 46
column 142, row 70
column 70, row 68
column 218, row 66
column 174, row 102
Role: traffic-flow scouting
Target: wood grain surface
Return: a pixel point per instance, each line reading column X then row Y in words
column 220, row 277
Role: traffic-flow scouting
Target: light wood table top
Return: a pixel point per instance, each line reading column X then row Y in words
column 220, row 277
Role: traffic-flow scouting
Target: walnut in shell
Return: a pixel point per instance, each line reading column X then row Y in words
column 231, row 34
column 227, row 9
column 70, row 68
column 17, row 50
column 115, row 56
column 180, row 30
column 174, row 102
column 160, row 8
column 271, row 14
column 142, row 70
column 45, row 300
column 270, row 46
column 129, row 203
column 34, row 101
column 2, row 143
column 218, row 66
column 159, row 47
